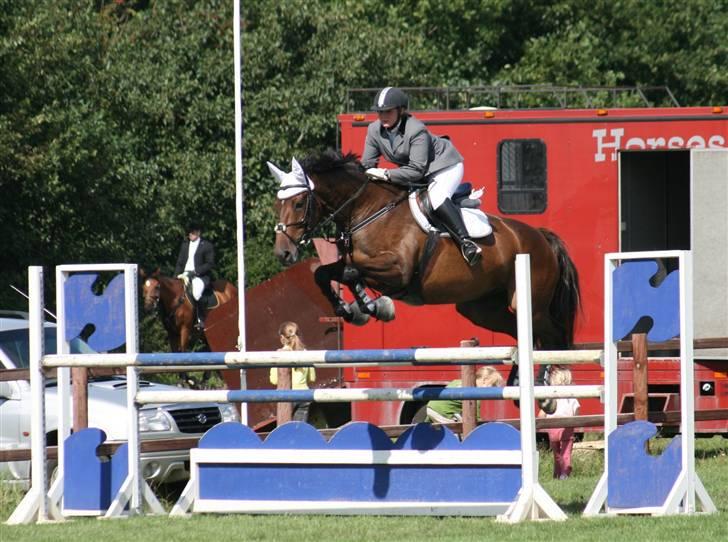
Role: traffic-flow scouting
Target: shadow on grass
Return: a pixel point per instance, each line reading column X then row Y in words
column 168, row 494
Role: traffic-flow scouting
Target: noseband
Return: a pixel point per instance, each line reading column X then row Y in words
column 310, row 229
column 304, row 222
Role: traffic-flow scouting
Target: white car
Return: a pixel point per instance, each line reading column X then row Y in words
column 106, row 410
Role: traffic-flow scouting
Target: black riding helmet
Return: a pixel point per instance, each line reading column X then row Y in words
column 389, row 98
column 193, row 226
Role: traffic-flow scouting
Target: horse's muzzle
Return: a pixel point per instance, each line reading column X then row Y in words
column 287, row 257
column 285, row 250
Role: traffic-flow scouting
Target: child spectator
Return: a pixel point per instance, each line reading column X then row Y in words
column 290, row 337
column 448, row 411
column 561, row 440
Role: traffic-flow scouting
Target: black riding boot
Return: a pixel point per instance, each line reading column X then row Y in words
column 451, row 218
column 200, row 313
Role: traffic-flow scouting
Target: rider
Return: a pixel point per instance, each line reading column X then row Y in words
column 405, row 141
column 195, row 263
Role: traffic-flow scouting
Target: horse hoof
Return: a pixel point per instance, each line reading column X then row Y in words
column 547, row 405
column 384, row 309
column 358, row 317
column 344, row 311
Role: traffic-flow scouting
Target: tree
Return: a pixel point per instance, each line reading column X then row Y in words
column 116, row 117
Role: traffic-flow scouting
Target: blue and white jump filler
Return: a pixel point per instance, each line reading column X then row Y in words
column 427, row 470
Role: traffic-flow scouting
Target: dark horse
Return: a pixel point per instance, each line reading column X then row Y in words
column 383, row 248
column 167, row 295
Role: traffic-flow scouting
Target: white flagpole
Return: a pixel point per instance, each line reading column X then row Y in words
column 239, row 198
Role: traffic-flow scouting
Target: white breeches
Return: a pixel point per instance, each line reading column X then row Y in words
column 444, row 183
column 198, row 286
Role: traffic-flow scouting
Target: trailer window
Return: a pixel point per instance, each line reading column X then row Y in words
column 522, row 176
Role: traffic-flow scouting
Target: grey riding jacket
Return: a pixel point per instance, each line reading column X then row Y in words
column 415, row 151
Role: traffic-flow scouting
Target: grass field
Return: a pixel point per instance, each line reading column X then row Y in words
column 571, row 495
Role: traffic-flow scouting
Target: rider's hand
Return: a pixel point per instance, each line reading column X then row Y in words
column 377, row 173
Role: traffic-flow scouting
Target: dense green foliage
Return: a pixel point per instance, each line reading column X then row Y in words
column 117, row 117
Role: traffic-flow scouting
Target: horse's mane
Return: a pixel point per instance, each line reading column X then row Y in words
column 329, row 160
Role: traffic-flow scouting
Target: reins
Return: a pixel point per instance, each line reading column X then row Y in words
column 308, row 233
column 345, row 235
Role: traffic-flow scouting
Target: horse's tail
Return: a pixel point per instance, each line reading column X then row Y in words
column 567, row 296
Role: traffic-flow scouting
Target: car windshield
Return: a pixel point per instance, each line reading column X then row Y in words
column 15, row 344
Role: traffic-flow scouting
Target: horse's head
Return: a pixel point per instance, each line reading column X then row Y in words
column 151, row 290
column 339, row 191
column 296, row 211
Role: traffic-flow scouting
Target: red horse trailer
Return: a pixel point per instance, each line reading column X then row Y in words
column 604, row 180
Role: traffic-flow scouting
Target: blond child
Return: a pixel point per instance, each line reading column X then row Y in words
column 561, row 440
column 290, row 337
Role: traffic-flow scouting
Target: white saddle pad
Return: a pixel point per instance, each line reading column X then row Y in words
column 476, row 221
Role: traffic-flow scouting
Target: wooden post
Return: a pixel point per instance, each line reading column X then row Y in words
column 639, row 375
column 79, row 375
column 467, row 376
column 284, row 411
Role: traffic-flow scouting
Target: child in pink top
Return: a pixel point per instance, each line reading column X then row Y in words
column 561, row 440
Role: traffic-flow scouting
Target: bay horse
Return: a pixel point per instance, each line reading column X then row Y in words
column 167, row 296
column 384, row 249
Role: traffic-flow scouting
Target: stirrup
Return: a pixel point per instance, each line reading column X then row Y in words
column 470, row 251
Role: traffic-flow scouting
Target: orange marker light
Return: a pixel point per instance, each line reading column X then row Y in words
column 602, row 112
column 358, row 117
column 717, row 109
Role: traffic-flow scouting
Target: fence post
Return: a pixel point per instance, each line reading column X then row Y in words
column 467, row 376
column 639, row 375
column 79, row 376
column 284, row 411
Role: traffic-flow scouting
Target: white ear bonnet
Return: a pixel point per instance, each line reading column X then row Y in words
column 292, row 183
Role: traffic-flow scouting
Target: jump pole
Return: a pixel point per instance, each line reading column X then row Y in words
column 485, row 355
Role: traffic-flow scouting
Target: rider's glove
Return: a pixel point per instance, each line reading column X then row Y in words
column 184, row 277
column 377, row 173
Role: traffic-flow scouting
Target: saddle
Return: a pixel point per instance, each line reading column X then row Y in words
column 210, row 299
column 467, row 199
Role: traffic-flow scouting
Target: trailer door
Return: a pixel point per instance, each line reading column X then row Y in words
column 709, row 241
column 678, row 200
column 654, row 194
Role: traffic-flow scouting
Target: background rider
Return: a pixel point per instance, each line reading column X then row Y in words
column 195, row 264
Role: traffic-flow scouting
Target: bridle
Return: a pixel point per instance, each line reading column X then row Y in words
column 309, row 230
column 304, row 222
column 155, row 296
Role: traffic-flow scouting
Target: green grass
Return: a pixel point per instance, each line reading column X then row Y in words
column 571, row 495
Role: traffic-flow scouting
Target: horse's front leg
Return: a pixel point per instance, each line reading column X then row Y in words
column 323, row 276
column 382, row 308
